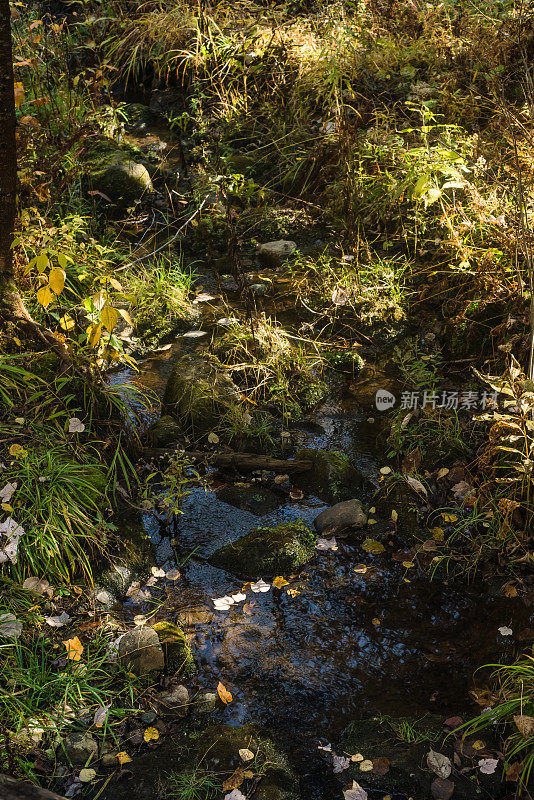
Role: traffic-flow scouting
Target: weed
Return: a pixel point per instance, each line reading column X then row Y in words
column 192, row 785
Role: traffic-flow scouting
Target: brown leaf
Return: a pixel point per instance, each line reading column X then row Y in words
column 515, row 771
column 453, row 722
column 234, row 781
column 380, row 765
column 224, row 694
column 411, row 461
column 442, row 789
column 524, row 724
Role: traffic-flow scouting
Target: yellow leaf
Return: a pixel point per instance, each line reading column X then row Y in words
column 293, row 592
column 94, row 332
column 438, row 534
column 124, row 314
column 394, row 516
column 373, row 547
column 6, row 507
column 18, row 451
column 449, row 517
column 19, row 94
column 74, row 649
column 279, row 581
column 478, row 745
column 109, row 317
column 56, row 280
column 224, row 694
column 123, row 758
column 408, row 564
column 376, row 622
column 151, row 735
column 234, row 781
column 66, row 322
column 44, row 296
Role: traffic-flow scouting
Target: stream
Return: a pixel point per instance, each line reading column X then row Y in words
column 345, row 645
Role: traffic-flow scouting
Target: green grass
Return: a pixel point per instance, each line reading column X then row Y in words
column 192, row 785
column 161, row 288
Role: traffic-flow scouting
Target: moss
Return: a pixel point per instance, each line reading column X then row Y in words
column 332, row 475
column 178, row 653
column 267, row 551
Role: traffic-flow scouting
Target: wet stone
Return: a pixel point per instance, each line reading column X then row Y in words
column 141, row 652
column 338, row 518
column 273, row 254
column 78, row 748
column 173, row 702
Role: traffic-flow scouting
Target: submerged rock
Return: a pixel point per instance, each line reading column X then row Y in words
column 267, row 551
column 205, row 703
column 272, row 254
column 140, row 651
column 165, row 431
column 198, row 392
column 332, row 475
column 337, row 518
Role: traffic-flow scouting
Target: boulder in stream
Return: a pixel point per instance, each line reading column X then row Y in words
column 198, row 392
column 165, row 431
column 273, row 254
column 116, row 171
column 348, row 514
column 178, row 653
column 332, row 476
column 276, row 550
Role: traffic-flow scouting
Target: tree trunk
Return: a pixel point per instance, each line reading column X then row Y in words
column 20, row 790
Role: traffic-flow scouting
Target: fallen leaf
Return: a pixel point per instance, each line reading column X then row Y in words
column 245, row 754
column 238, row 597
column 10, row 626
column 340, row 764
column 376, row 622
column 361, row 569
column 394, row 516
column 385, row 470
column 223, row 603
column 356, row 757
column 172, row 574
column 76, row 425
column 408, row 564
column 439, row 764
column 449, row 517
column 224, row 694
column 101, row 715
column 381, row 765
column 123, row 758
column 58, row 622
column 260, row 586
column 355, row 792
column 157, row 572
column 488, row 766
column 524, row 724
column 478, row 745
column 296, row 494
column 509, row 590
column 453, row 722
column 151, row 735
column 235, row 795
column 438, row 534
column 87, row 775
column 234, row 781
column 442, row 789
column 366, row 765
column 18, row 451
column 74, row 649
column 504, row 631
column 442, row 472
column 326, row 747
column 213, row 438
column 373, row 546
column 326, row 544
column 515, row 771
column 416, row 485
column 279, row 582
column 281, row 479
column 340, row 297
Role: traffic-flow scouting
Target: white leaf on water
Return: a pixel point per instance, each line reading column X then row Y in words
column 326, row 747
column 260, row 586
column 439, row 764
column 10, row 626
column 76, row 425
column 157, row 572
column 239, row 597
column 326, row 544
column 58, row 622
column 223, row 603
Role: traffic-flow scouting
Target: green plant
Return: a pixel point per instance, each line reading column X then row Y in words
column 407, row 731
column 192, row 785
column 161, row 293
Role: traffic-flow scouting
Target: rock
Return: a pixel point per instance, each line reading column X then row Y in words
column 173, row 702
column 78, row 747
column 339, row 517
column 109, row 760
column 123, row 182
column 198, row 392
column 205, row 703
column 260, row 289
column 148, row 717
column 273, row 254
column 228, row 284
column 264, row 552
column 178, row 653
column 165, row 431
column 140, row 651
column 332, row 475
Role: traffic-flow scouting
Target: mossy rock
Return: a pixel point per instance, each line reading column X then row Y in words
column 332, row 476
column 178, row 654
column 217, row 750
column 198, row 392
column 165, row 431
column 278, row 550
column 116, row 171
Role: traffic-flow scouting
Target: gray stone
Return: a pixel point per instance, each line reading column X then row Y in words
column 272, row 254
column 205, row 703
column 109, row 759
column 141, row 652
column 228, row 284
column 78, row 747
column 173, row 702
column 339, row 517
column 260, row 289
